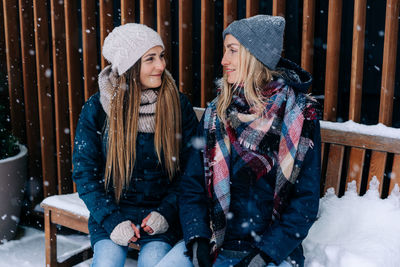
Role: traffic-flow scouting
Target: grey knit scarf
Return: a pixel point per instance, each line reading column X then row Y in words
column 147, row 110
column 148, row 100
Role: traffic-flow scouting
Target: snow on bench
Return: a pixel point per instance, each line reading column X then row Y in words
column 68, row 202
column 357, row 128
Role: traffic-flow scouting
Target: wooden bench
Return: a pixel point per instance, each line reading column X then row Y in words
column 353, row 151
column 350, row 152
column 69, row 211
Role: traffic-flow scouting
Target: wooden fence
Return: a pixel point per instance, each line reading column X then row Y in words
column 52, row 49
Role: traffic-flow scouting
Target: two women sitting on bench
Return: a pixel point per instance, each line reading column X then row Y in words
column 248, row 189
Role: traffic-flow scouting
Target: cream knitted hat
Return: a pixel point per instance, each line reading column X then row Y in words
column 127, row 43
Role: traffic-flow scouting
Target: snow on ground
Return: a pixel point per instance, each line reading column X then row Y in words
column 354, row 231
column 28, row 250
column 351, row 231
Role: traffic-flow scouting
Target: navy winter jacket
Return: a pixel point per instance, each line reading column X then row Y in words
column 150, row 188
column 249, row 222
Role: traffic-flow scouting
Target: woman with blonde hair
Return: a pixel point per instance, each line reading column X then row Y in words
column 131, row 143
column 252, row 191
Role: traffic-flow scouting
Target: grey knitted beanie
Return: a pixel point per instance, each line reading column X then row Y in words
column 262, row 35
column 127, row 43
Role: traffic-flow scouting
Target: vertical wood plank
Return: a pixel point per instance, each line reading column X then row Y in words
column 75, row 94
column 279, row 8
column 30, row 96
column 252, row 7
column 45, row 97
column 389, row 62
column 355, row 168
column 13, row 55
column 147, row 12
column 334, row 168
column 164, row 27
column 50, row 239
column 127, row 11
column 357, row 59
column 395, row 173
column 387, row 86
column 88, row 8
column 357, row 156
column 332, row 59
column 230, row 12
column 377, row 167
column 74, row 73
column 63, row 141
column 207, row 47
column 106, row 23
column 307, row 43
column 185, row 48
column 3, row 58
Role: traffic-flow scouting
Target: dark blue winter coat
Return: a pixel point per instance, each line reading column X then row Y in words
column 249, row 222
column 150, row 188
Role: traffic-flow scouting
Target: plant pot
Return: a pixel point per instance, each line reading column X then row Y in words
column 13, row 172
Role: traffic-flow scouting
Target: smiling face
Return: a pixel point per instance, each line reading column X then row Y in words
column 152, row 68
column 230, row 60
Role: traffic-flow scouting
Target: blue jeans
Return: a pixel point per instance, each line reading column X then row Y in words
column 228, row 258
column 175, row 257
column 107, row 253
column 152, row 252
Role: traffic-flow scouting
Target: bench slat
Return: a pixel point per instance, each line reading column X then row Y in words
column 377, row 167
column 395, row 174
column 334, row 168
column 360, row 140
column 69, row 219
column 356, row 165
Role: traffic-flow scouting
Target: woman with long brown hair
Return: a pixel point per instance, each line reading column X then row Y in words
column 252, row 191
column 131, row 143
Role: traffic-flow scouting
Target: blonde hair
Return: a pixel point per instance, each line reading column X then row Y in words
column 122, row 126
column 252, row 76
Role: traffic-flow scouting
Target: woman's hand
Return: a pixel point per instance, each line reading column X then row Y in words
column 154, row 223
column 124, row 233
column 144, row 225
column 137, row 233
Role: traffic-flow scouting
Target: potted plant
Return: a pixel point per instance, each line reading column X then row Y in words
column 13, row 170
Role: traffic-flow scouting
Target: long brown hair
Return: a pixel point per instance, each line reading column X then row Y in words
column 122, row 127
column 253, row 76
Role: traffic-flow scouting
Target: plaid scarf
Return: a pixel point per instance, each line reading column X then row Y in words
column 280, row 136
